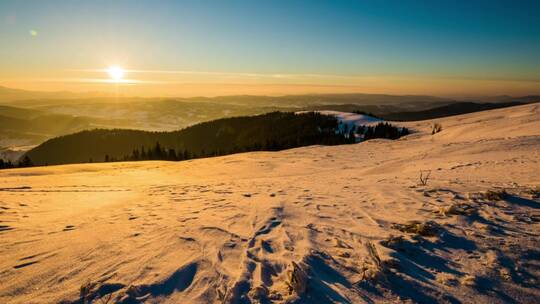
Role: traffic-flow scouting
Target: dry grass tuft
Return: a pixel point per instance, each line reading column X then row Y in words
column 392, row 241
column 372, row 266
column 534, row 192
column 505, row 274
column 436, row 128
column 468, row 280
column 88, row 293
column 429, row 228
column 495, row 195
column 458, row 209
column 259, row 293
column 491, row 258
column 297, row 279
column 446, row 279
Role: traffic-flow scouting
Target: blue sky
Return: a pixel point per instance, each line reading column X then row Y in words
column 465, row 40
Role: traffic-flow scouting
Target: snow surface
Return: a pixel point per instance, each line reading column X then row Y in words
column 308, row 225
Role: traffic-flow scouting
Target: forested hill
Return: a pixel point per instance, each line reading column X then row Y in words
column 272, row 131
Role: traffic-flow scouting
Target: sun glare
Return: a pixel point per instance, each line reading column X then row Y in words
column 115, row 72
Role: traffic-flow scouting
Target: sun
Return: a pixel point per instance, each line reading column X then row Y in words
column 116, row 73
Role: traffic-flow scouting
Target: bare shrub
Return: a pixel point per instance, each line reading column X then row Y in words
column 424, row 177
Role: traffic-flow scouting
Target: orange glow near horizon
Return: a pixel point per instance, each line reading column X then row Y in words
column 179, row 83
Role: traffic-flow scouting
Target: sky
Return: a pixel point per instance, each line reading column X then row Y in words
column 225, row 47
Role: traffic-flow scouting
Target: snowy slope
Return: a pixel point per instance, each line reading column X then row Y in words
column 318, row 224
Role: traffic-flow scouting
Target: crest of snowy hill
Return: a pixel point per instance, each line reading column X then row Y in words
column 351, row 119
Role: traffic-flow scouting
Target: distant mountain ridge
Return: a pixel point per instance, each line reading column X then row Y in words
column 8, row 95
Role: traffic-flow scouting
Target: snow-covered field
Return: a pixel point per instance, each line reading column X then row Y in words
column 307, row 225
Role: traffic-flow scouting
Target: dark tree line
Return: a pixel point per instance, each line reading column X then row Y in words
column 23, row 163
column 157, row 152
column 268, row 132
column 381, row 130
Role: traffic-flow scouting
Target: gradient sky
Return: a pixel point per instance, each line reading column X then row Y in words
column 185, row 48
